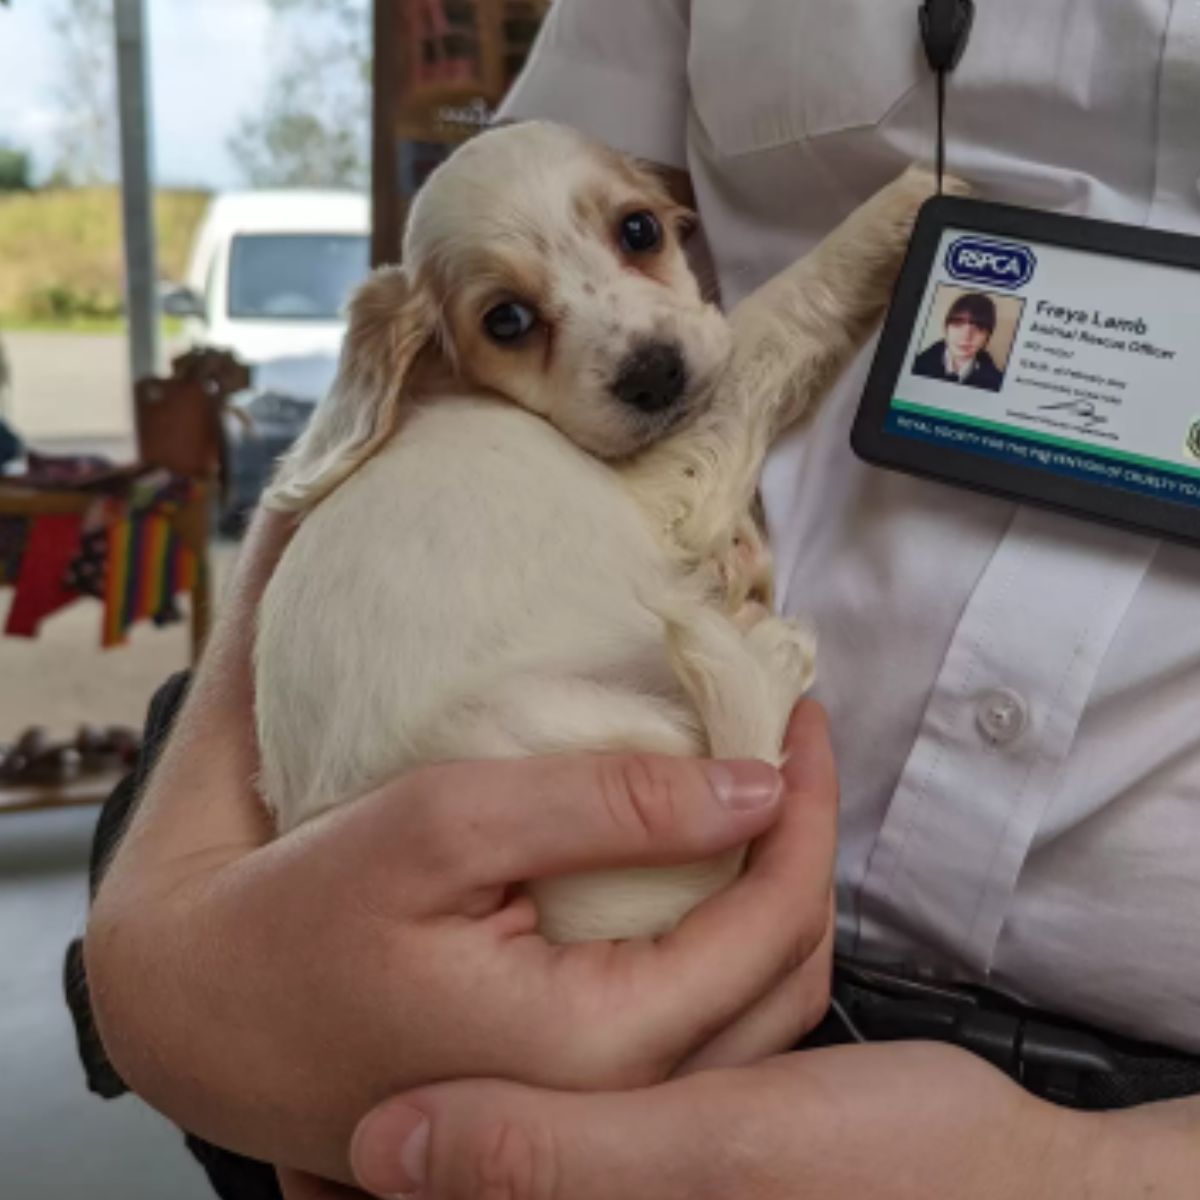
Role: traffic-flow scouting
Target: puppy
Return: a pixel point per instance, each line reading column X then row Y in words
column 526, row 503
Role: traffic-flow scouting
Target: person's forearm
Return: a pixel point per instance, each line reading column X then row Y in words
column 891, row 1121
column 1153, row 1150
column 882, row 1122
column 1061, row 1154
column 199, row 811
column 200, row 802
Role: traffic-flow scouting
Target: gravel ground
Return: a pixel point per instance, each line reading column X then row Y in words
column 63, row 678
column 71, row 395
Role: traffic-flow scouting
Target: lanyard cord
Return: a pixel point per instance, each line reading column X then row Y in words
column 941, row 129
column 945, row 27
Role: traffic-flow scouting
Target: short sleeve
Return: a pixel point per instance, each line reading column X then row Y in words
column 614, row 69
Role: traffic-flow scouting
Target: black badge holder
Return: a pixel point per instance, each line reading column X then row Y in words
column 982, row 447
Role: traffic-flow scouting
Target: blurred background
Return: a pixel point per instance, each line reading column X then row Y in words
column 188, row 192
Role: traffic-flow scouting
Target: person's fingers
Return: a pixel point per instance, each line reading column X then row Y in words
column 462, row 1141
column 296, row 1185
column 470, row 825
column 776, row 1021
column 738, row 944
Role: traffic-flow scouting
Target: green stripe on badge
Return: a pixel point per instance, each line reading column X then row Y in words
column 1020, row 431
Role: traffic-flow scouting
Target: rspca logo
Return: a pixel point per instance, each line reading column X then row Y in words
column 997, row 264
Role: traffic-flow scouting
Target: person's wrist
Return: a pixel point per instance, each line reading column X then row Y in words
column 1153, row 1149
column 1052, row 1154
column 1073, row 1155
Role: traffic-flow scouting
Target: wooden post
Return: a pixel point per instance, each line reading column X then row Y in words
column 436, row 108
column 387, row 209
column 192, row 526
column 490, row 15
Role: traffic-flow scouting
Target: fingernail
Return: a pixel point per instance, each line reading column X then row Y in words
column 744, row 785
column 390, row 1152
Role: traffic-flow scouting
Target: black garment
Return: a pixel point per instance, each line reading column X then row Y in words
column 1059, row 1059
column 10, row 444
column 232, row 1176
column 931, row 363
column 1147, row 1072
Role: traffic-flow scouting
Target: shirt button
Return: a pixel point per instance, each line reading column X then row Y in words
column 1002, row 716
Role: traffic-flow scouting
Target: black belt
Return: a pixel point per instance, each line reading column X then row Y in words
column 1062, row 1061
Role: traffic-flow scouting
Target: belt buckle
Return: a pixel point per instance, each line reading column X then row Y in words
column 904, row 982
column 1049, row 1060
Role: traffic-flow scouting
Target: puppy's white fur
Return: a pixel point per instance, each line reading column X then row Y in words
column 498, row 557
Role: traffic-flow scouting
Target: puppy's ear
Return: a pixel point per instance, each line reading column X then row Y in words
column 391, row 323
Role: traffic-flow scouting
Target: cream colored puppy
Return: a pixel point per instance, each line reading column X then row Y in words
column 526, row 502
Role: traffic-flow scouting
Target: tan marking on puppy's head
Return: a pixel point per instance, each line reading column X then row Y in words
column 559, row 266
column 393, row 326
column 544, row 269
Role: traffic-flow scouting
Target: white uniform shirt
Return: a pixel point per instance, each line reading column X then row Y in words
column 1014, row 695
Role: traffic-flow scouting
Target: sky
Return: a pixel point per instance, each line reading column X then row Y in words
column 209, row 60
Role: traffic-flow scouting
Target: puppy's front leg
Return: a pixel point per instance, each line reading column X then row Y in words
column 795, row 333
column 791, row 339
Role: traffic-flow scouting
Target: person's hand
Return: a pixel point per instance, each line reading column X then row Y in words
column 265, row 995
column 296, row 1185
column 901, row 1121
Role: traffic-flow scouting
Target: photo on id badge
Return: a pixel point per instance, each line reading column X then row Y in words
column 968, row 337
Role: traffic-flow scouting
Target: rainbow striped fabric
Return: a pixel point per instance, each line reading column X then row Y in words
column 147, row 565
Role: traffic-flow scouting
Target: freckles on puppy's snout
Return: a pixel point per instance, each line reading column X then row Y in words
column 652, row 377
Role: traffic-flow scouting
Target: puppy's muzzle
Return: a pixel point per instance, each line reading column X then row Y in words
column 652, row 378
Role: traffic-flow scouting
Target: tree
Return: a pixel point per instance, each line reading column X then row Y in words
column 314, row 128
column 86, row 92
column 14, row 168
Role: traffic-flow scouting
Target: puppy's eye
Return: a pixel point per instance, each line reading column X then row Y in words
column 640, row 232
column 508, row 321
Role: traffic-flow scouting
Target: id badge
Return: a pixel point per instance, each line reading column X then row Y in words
column 1048, row 359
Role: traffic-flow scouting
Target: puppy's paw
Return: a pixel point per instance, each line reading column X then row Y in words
column 744, row 572
column 787, row 651
column 953, row 186
column 919, row 183
column 901, row 201
column 747, row 615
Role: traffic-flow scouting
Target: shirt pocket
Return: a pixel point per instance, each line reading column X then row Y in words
column 766, row 72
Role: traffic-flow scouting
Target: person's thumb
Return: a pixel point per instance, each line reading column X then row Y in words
column 463, row 825
column 463, row 1141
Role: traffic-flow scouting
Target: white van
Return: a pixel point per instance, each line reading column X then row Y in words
column 270, row 272
column 268, row 279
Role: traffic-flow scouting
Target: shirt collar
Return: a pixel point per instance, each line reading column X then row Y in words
column 966, row 372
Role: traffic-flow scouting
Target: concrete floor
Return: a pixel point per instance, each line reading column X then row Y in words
column 63, row 678
column 68, row 386
column 57, row 1140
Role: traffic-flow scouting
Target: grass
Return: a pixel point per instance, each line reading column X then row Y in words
column 168, row 327
column 61, row 256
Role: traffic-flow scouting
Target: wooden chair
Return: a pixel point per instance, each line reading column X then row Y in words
column 179, row 428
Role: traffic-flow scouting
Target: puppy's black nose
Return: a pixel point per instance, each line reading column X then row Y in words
column 652, row 377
